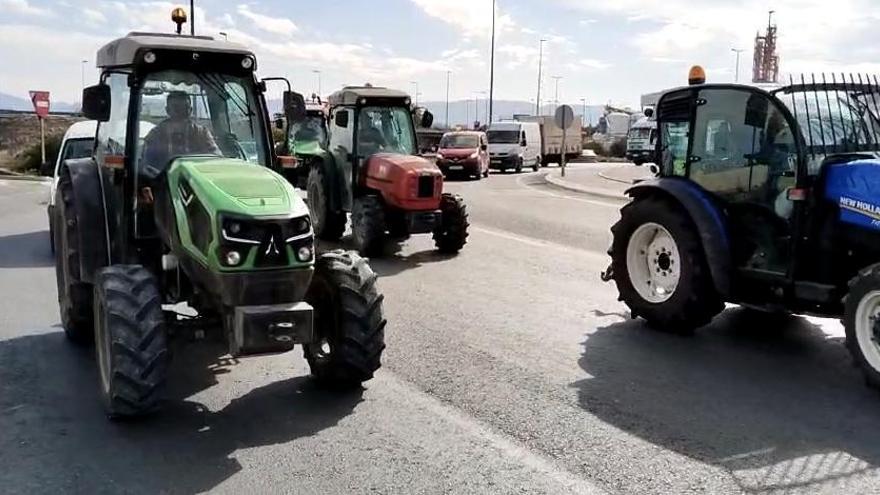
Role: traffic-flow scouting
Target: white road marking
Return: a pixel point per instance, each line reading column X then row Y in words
column 570, row 198
column 531, row 241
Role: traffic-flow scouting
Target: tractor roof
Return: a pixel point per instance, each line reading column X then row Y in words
column 351, row 95
column 124, row 51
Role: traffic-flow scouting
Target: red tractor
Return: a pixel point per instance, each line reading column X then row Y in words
column 371, row 168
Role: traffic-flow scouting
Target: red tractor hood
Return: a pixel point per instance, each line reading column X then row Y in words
column 405, row 181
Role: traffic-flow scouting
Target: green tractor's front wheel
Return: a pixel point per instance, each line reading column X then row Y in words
column 660, row 268
column 368, row 225
column 349, row 321
column 329, row 224
column 132, row 345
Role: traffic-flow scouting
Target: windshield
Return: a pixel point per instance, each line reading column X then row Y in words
column 312, row 128
column 385, row 129
column 78, row 148
column 503, row 137
column 835, row 121
column 464, row 141
column 640, row 133
column 199, row 114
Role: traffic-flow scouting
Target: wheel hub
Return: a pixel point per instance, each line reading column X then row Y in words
column 653, row 262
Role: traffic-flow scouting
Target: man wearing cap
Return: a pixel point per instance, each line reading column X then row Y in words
column 178, row 135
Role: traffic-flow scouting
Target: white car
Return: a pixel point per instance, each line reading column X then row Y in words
column 78, row 142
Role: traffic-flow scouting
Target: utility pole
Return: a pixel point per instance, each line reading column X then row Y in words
column 192, row 17
column 318, row 73
column 82, row 67
column 584, row 113
column 737, row 51
column 556, row 98
column 416, row 84
column 448, row 74
column 540, row 68
column 492, row 69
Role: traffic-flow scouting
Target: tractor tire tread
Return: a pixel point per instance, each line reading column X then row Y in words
column 334, row 222
column 870, row 277
column 452, row 233
column 368, row 225
column 134, row 323
column 74, row 296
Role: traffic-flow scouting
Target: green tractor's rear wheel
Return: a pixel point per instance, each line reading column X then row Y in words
column 74, row 296
column 368, row 225
column 132, row 346
column 660, row 268
column 349, row 321
column 452, row 233
column 862, row 322
column 329, row 224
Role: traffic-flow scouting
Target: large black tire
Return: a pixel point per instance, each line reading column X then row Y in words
column 329, row 224
column 694, row 301
column 519, row 166
column 537, row 164
column 74, row 295
column 349, row 321
column 368, row 225
column 863, row 330
column 452, row 233
column 132, row 345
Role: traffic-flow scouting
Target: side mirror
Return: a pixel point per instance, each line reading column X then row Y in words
column 341, row 118
column 484, row 147
column 523, row 141
column 294, row 106
column 96, row 102
column 649, row 112
column 427, row 119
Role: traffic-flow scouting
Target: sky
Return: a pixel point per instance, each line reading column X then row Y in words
column 605, row 51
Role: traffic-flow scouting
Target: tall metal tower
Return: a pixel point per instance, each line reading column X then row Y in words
column 766, row 61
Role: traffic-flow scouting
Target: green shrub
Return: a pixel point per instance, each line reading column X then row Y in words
column 29, row 159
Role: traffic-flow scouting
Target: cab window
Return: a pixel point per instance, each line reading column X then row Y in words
column 743, row 148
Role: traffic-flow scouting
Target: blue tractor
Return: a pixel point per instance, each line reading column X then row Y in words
column 767, row 199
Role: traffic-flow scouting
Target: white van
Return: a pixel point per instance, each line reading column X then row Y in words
column 514, row 145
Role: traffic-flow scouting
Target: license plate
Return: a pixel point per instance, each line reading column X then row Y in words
column 456, row 167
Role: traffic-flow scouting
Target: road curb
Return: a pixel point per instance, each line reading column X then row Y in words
column 615, row 179
column 26, row 178
column 559, row 182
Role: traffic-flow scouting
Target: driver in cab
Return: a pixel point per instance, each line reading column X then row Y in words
column 177, row 135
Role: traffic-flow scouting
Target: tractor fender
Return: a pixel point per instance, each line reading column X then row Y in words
column 707, row 217
column 90, row 219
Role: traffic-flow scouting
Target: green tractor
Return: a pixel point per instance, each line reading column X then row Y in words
column 307, row 140
column 767, row 199
column 193, row 214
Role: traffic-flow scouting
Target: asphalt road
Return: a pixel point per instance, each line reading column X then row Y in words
column 509, row 369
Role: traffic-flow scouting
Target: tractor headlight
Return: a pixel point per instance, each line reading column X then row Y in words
column 234, row 228
column 304, row 254
column 150, row 57
column 247, row 63
column 301, row 225
column 474, row 155
column 233, row 258
column 440, row 156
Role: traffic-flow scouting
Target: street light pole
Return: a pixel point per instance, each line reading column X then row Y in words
column 318, row 73
column 416, row 84
column 584, row 113
column 492, row 69
column 737, row 51
column 540, row 68
column 556, row 97
column 192, row 17
column 448, row 73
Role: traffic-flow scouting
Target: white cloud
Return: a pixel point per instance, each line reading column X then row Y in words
column 94, row 16
column 275, row 25
column 23, row 7
column 472, row 17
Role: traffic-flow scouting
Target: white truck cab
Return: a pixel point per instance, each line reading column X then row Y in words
column 640, row 141
column 514, row 145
